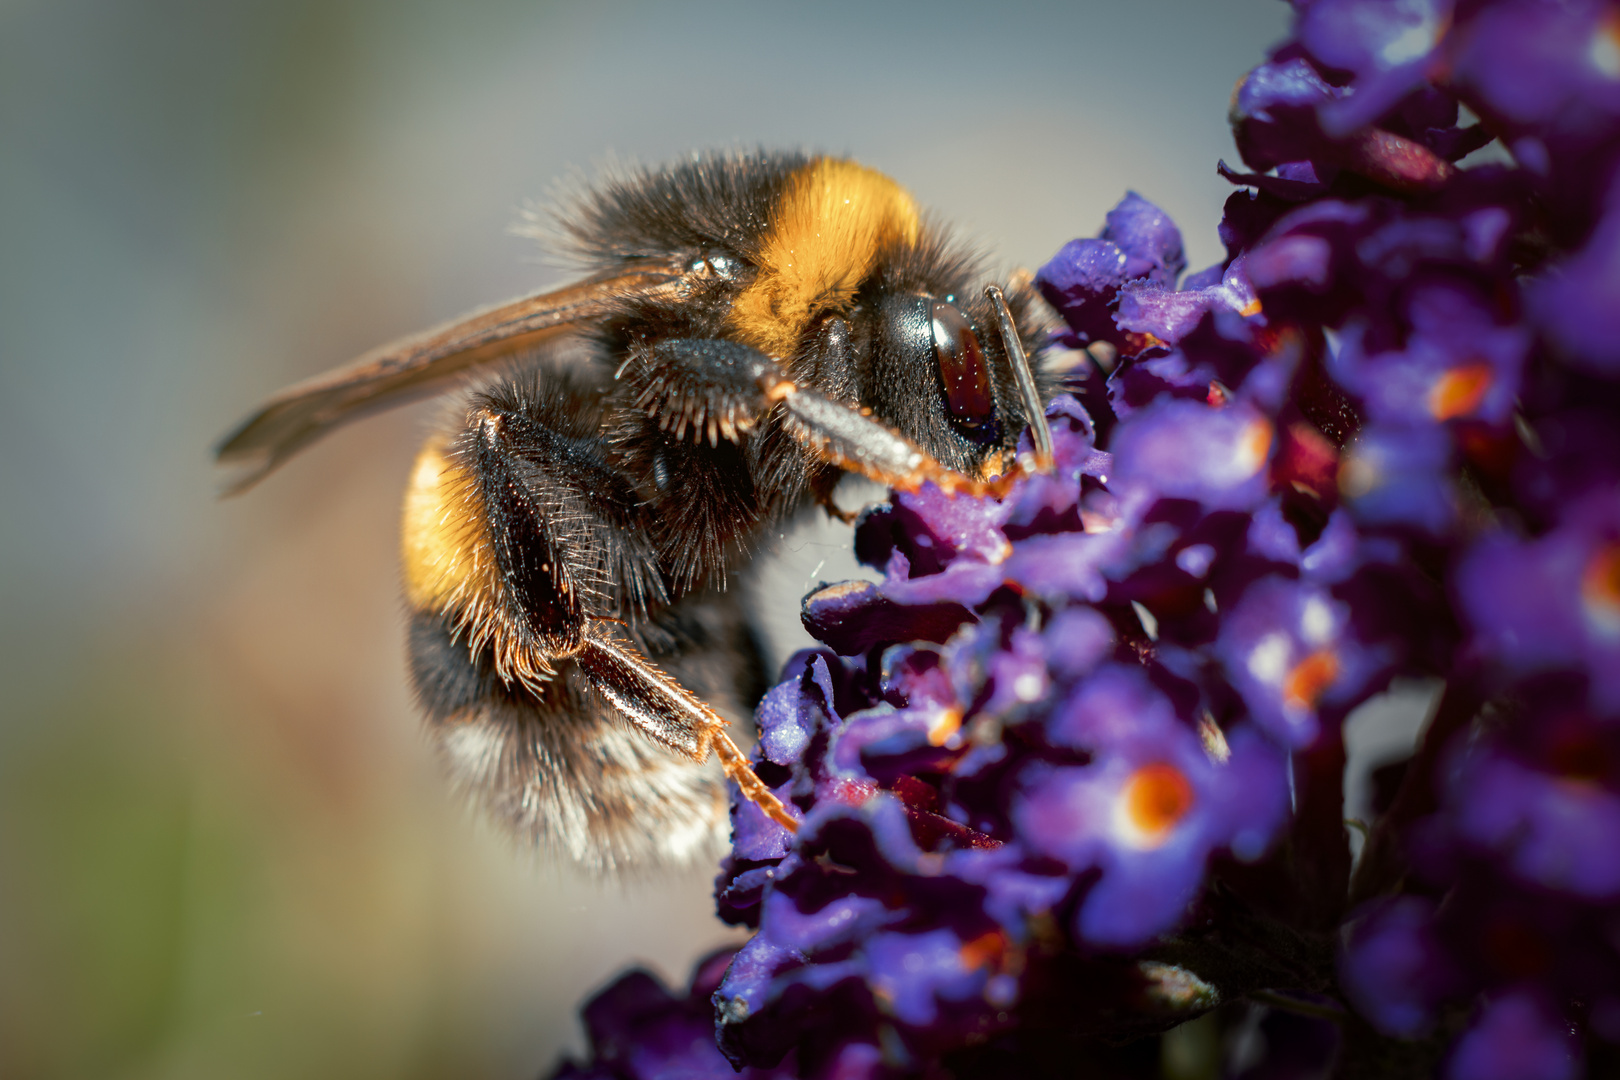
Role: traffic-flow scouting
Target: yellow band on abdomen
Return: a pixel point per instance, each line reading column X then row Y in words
column 445, row 560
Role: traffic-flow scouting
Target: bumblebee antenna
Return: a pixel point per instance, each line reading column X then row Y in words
column 1039, row 433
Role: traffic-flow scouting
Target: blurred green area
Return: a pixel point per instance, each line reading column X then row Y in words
column 169, row 933
column 224, row 848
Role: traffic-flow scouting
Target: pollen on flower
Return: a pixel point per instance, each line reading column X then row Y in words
column 1141, row 341
column 1093, row 522
column 984, row 951
column 1152, row 802
column 943, row 726
column 1310, row 678
column 1604, row 50
column 1459, row 391
column 1600, row 589
column 1253, row 446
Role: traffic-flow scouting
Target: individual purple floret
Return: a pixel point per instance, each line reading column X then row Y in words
column 1290, row 649
column 1516, row 1037
column 1394, row 968
column 1457, row 362
column 1217, row 457
column 1546, row 829
column 1150, row 240
column 1139, row 245
column 1071, row 769
column 638, row 1030
column 1387, row 48
column 1402, row 476
column 1080, row 282
column 1149, row 808
column 1157, row 312
column 1552, row 603
column 1274, row 113
column 1574, row 303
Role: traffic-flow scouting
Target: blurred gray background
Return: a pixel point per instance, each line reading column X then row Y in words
column 224, row 847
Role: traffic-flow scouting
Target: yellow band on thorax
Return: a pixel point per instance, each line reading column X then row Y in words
column 825, row 235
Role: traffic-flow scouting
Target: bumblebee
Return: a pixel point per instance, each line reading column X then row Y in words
column 750, row 328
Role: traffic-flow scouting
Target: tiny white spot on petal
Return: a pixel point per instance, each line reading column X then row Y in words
column 1268, row 662
column 1409, row 44
column 1604, row 49
column 1028, row 686
column 1316, row 621
column 1150, row 625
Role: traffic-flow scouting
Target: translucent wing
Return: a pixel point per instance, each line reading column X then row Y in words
column 426, row 364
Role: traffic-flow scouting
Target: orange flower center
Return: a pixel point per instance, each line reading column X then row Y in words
column 1154, row 800
column 1600, row 588
column 1253, row 446
column 985, row 950
column 947, row 723
column 1304, row 685
column 1604, row 50
column 1459, row 391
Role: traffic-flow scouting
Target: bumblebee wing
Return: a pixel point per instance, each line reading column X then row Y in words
column 424, row 364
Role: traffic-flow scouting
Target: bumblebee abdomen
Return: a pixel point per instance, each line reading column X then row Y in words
column 442, row 553
column 558, row 771
column 451, row 571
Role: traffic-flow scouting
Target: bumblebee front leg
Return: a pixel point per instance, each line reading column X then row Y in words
column 719, row 388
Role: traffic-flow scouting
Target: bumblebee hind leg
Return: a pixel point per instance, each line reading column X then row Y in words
column 557, row 767
column 524, row 557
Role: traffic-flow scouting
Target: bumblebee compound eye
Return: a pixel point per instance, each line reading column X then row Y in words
column 962, row 369
column 924, row 369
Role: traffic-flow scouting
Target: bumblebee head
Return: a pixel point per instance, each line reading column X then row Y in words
column 941, row 365
column 862, row 298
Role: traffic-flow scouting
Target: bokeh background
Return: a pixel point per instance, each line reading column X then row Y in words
column 225, row 849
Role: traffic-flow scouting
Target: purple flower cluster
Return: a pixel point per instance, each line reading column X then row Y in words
column 638, row 1030
column 997, row 763
column 1072, row 772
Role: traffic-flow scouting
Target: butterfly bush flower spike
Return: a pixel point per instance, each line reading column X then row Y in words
column 1070, row 763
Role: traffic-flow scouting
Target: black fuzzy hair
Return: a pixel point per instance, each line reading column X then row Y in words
column 721, row 199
